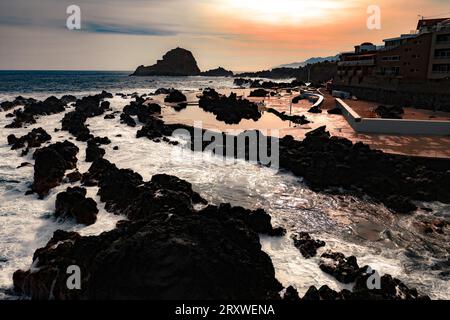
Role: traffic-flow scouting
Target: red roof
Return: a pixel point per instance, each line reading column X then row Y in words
column 429, row 22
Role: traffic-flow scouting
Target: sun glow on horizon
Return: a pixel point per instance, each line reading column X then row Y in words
column 284, row 11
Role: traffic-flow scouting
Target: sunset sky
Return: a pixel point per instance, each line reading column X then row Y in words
column 240, row 35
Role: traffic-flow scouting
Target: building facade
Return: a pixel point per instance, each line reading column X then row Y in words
column 422, row 57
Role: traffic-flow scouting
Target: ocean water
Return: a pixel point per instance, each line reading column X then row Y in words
column 389, row 243
column 41, row 84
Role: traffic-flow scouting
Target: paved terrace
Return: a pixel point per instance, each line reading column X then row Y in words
column 427, row 146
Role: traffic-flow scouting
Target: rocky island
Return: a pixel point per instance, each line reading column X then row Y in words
column 176, row 62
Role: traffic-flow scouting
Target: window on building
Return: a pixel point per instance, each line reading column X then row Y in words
column 441, row 68
column 391, row 58
column 442, row 54
column 443, row 38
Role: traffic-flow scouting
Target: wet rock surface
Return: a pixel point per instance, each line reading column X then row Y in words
column 344, row 269
column 93, row 151
column 231, row 109
column 259, row 93
column 275, row 85
column 86, row 107
column 336, row 110
column 307, row 245
column 73, row 204
column 34, row 139
column 390, row 112
column 285, row 117
column 18, row 101
column 51, row 164
column 390, row 289
column 128, row 120
column 329, row 163
column 203, row 256
column 175, row 251
column 315, row 109
column 175, row 96
column 33, row 109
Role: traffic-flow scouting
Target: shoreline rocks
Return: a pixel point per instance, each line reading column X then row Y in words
column 93, row 151
column 390, row 112
column 344, row 269
column 175, row 96
column 73, row 204
column 51, row 164
column 176, row 252
column 86, row 107
column 307, row 245
column 330, row 163
column 33, row 108
column 301, row 120
column 33, row 139
column 259, row 93
column 201, row 256
column 231, row 109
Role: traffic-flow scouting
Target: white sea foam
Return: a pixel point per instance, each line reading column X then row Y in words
column 26, row 223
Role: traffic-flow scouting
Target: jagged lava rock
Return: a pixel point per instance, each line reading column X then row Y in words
column 50, row 165
column 74, row 204
column 307, row 245
column 165, row 257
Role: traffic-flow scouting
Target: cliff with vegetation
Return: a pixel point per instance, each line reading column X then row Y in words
column 318, row 72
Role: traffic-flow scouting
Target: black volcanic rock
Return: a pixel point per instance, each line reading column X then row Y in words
column 285, row 117
column 344, row 269
column 32, row 139
column 165, row 257
column 336, row 110
column 34, row 108
column 307, row 245
column 291, row 294
column 86, row 107
column 143, row 111
column 352, row 166
column 93, row 151
column 74, row 204
column 259, row 93
column 50, row 165
column 166, row 251
column 129, row 121
column 390, row 112
column 297, row 99
column 315, row 109
column 242, row 82
column 176, row 62
column 218, row 72
column 229, row 109
column 390, row 289
column 175, row 96
column 18, row 101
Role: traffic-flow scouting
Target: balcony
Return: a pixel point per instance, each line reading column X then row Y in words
column 357, row 63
